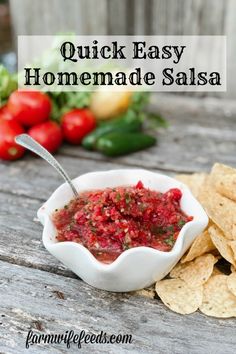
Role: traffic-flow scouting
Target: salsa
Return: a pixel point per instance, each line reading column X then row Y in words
column 108, row 222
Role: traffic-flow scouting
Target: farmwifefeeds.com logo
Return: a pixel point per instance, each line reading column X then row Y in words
column 71, row 338
column 146, row 63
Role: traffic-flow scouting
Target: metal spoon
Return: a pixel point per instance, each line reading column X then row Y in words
column 29, row 143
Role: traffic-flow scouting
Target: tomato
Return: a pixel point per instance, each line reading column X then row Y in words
column 76, row 124
column 48, row 134
column 29, row 107
column 5, row 113
column 9, row 149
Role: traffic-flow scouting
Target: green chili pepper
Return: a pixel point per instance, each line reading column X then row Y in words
column 130, row 122
column 116, row 144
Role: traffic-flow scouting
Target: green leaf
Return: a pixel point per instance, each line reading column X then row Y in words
column 156, row 121
column 8, row 84
column 65, row 101
column 139, row 100
column 137, row 106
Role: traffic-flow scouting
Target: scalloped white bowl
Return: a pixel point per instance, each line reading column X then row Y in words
column 137, row 267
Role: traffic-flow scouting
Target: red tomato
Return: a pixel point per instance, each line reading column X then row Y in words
column 76, row 124
column 9, row 149
column 5, row 114
column 29, row 107
column 48, row 134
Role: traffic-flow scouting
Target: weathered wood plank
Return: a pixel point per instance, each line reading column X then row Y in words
column 201, row 132
column 98, row 12
column 180, row 149
column 5, row 28
column 34, row 178
column 198, row 17
column 47, row 17
column 159, row 17
column 230, row 30
column 21, row 235
column 139, row 18
column 117, row 22
column 57, row 17
column 28, row 300
column 24, row 186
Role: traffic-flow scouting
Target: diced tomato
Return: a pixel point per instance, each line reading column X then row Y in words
column 110, row 221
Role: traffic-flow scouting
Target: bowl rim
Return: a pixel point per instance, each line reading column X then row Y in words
column 202, row 220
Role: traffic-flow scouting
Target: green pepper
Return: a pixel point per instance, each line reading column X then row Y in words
column 129, row 122
column 117, row 144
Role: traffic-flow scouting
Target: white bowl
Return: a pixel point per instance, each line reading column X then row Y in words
column 137, row 267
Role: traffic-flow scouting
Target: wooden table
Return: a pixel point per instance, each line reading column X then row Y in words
column 38, row 293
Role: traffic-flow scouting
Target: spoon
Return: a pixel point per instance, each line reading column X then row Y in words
column 29, row 143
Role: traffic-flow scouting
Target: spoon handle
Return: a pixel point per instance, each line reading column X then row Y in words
column 26, row 141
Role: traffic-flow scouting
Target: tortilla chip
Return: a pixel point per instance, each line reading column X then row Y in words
column 194, row 181
column 232, row 245
column 220, row 168
column 218, row 301
column 196, row 272
column 216, row 271
column 220, row 209
column 224, row 180
column 179, row 296
column 222, row 244
column 147, row 292
column 202, row 244
column 231, row 282
column 226, row 185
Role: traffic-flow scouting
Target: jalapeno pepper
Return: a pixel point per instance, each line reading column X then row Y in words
column 117, row 143
column 127, row 123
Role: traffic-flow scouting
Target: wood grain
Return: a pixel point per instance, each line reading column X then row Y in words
column 21, row 235
column 5, row 29
column 117, row 23
column 157, row 17
column 29, row 301
column 33, row 177
column 33, row 283
column 201, row 132
column 24, row 186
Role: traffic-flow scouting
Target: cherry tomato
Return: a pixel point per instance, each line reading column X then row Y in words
column 9, row 149
column 76, row 124
column 5, row 113
column 29, row 107
column 48, row 134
